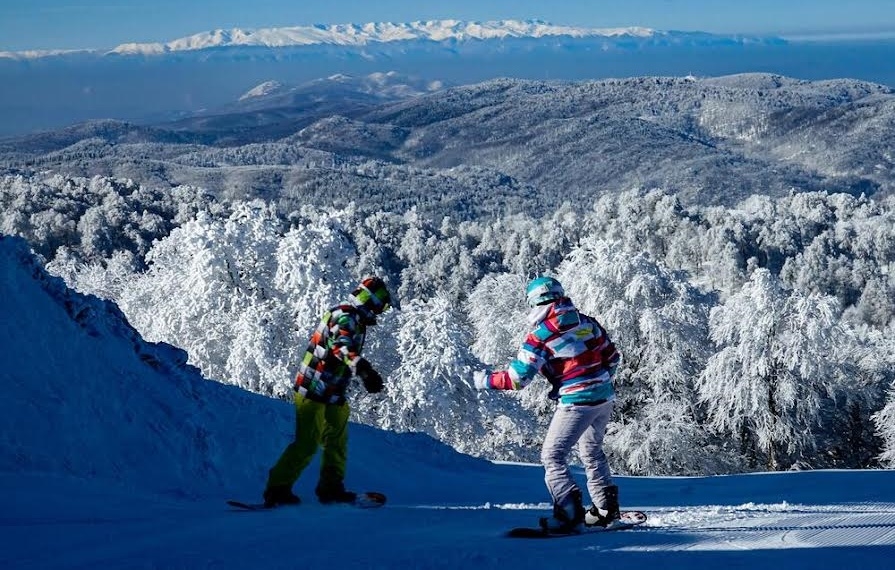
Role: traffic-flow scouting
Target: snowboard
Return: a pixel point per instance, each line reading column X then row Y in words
column 628, row 519
column 366, row 500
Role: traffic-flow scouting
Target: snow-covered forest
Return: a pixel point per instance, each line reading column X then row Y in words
column 755, row 336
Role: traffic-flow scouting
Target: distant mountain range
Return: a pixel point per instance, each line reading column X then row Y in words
column 199, row 75
column 450, row 31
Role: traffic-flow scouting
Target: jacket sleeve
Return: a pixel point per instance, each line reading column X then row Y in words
column 530, row 360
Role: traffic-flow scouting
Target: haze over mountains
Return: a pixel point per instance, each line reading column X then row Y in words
column 183, row 77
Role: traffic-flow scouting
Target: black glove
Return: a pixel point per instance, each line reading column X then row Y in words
column 371, row 379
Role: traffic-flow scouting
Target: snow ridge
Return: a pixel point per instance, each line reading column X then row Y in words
column 364, row 34
column 262, row 90
column 379, row 33
column 40, row 53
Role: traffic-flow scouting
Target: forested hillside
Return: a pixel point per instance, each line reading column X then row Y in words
column 504, row 146
column 755, row 335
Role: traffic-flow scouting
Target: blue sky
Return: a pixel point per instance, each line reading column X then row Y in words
column 77, row 24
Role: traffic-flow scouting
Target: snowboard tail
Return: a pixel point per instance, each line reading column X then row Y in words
column 248, row 506
column 369, row 500
column 627, row 520
column 366, row 500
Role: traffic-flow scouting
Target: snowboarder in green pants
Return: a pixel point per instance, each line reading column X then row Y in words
column 321, row 410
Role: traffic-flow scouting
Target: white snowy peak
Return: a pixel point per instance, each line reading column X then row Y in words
column 37, row 54
column 361, row 35
column 364, row 34
column 262, row 90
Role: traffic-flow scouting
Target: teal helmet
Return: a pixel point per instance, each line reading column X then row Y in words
column 543, row 290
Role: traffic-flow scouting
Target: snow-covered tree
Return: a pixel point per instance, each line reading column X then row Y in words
column 311, row 267
column 201, row 279
column 496, row 309
column 659, row 324
column 882, row 348
column 93, row 217
column 262, row 352
column 240, row 287
column 106, row 278
column 885, row 428
column 431, row 389
column 662, row 438
column 780, row 357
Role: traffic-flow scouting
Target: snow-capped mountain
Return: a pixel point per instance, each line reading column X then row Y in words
column 262, row 90
column 181, row 77
column 370, row 33
column 42, row 53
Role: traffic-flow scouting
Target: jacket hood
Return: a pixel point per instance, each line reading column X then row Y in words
column 540, row 313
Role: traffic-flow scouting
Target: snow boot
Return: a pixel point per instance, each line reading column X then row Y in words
column 604, row 517
column 567, row 517
column 330, row 492
column 280, row 495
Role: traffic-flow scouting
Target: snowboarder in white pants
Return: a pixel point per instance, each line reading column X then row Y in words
column 574, row 352
column 586, row 426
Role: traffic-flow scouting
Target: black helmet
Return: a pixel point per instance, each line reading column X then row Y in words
column 373, row 295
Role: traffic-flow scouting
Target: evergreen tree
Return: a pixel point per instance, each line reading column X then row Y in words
column 885, row 428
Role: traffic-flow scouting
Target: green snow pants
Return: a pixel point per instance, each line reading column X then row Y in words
column 316, row 425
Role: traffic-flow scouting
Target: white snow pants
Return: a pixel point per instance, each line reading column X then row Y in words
column 585, row 425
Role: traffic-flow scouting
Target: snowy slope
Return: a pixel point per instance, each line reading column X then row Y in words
column 115, row 454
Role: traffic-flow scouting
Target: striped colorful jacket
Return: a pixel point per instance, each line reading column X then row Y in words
column 333, row 352
column 570, row 349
